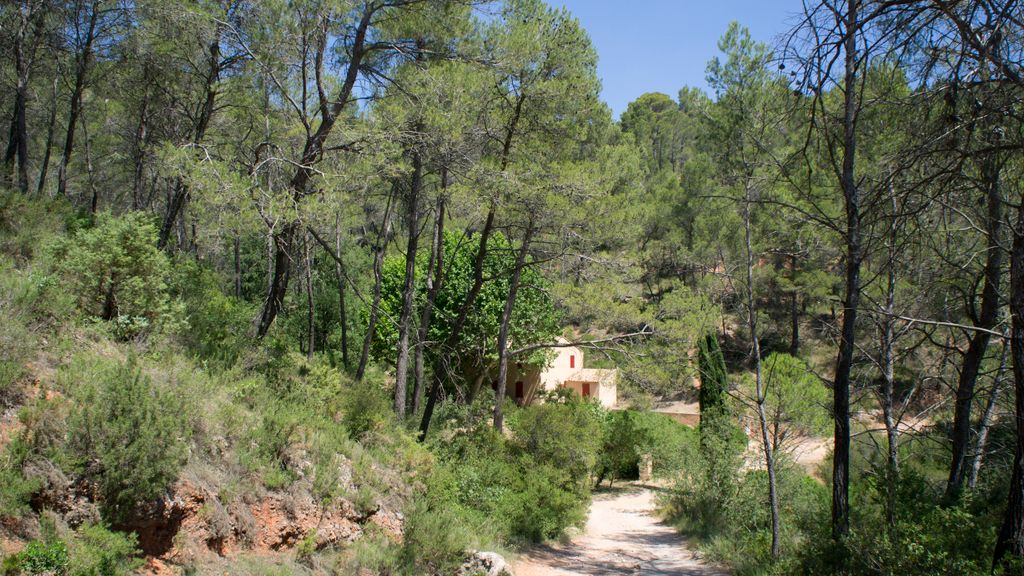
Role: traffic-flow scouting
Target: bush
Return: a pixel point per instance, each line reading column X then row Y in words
column 39, row 558
column 117, row 271
column 218, row 324
column 91, row 551
column 567, row 435
column 530, row 486
column 15, row 489
column 97, row 551
column 365, row 408
column 125, row 433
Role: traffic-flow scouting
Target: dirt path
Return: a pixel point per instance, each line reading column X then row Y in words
column 622, row 537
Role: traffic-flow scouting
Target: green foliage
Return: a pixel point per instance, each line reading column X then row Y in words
column 531, row 486
column 117, row 271
column 533, row 320
column 39, row 557
column 98, row 551
column 31, row 303
column 15, row 489
column 125, row 432
column 796, row 401
column 714, row 379
column 93, row 550
column 366, row 408
column 631, row 434
column 218, row 325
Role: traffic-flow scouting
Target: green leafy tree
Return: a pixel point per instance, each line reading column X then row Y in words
column 534, row 318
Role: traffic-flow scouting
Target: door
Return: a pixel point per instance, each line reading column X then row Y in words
column 586, row 389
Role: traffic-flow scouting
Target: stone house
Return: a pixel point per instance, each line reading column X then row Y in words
column 525, row 383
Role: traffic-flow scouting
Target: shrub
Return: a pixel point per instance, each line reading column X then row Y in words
column 91, row 551
column 97, row 551
column 365, row 407
column 125, row 433
column 566, row 435
column 15, row 489
column 117, row 271
column 218, row 324
column 39, row 557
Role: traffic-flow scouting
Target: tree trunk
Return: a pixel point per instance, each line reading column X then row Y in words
column 987, row 319
column 94, row 192
column 443, row 362
column 844, row 360
column 237, row 252
column 314, row 146
column 760, row 392
column 280, row 269
column 51, row 128
column 310, row 309
column 378, row 275
column 794, row 312
column 986, row 420
column 435, row 275
column 1010, row 541
column 506, row 321
column 83, row 60
column 340, row 273
column 887, row 364
column 17, row 145
column 409, row 290
column 141, row 136
column 180, row 197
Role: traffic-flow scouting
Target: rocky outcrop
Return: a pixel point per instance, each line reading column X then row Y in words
column 485, row 564
column 192, row 522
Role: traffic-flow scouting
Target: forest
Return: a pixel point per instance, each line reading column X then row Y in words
column 268, row 268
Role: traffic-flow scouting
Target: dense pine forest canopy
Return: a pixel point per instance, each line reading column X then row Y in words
column 262, row 255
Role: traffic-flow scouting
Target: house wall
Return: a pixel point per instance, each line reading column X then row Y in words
column 567, row 361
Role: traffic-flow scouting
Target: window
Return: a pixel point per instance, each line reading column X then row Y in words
column 572, row 361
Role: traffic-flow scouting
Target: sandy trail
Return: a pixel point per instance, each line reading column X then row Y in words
column 622, row 537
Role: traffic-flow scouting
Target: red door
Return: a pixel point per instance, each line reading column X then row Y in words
column 586, row 389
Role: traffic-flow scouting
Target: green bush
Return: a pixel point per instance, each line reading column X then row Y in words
column 117, row 271
column 125, row 433
column 97, row 551
column 567, row 435
column 15, row 489
column 529, row 486
column 91, row 551
column 365, row 408
column 218, row 325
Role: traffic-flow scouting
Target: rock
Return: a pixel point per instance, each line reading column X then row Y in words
column 486, row 564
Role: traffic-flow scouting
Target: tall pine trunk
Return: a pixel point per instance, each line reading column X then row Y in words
column 435, row 276
column 844, row 360
column 82, row 61
column 379, row 249
column 987, row 319
column 409, row 290
column 986, row 420
column 1010, row 541
column 340, row 273
column 506, row 321
column 180, row 196
column 759, row 387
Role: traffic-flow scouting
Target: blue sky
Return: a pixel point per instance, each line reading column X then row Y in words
column 663, row 45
